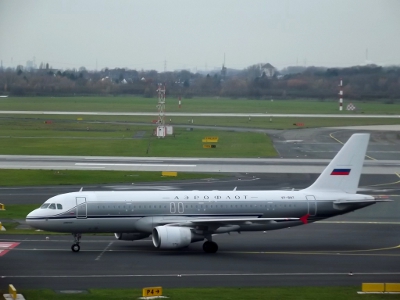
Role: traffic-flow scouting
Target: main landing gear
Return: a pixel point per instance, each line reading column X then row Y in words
column 75, row 247
column 210, row 247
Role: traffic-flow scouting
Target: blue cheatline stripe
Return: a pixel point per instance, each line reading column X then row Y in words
column 256, row 215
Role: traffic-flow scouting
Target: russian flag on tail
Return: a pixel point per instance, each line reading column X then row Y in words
column 341, row 172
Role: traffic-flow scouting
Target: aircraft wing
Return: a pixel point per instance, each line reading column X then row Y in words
column 220, row 222
column 352, row 201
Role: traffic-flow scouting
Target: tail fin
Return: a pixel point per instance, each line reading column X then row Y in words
column 344, row 171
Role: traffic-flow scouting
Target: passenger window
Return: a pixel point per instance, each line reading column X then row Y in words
column 52, row 206
column 59, row 206
column 45, row 205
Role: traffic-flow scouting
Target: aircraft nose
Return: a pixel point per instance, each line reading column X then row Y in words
column 35, row 219
column 32, row 215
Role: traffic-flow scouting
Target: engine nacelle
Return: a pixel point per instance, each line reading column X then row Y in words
column 128, row 236
column 171, row 237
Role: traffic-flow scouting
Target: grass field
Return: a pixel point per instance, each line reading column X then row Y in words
column 133, row 135
column 272, row 293
column 17, row 211
column 212, row 104
column 32, row 136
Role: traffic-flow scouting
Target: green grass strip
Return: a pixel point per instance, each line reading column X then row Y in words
column 204, row 104
column 270, row 293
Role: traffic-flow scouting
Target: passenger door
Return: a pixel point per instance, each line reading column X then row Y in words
column 81, row 208
column 312, row 205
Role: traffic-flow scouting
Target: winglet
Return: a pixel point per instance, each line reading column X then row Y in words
column 81, row 189
column 304, row 218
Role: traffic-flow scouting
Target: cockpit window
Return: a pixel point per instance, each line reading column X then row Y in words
column 45, row 205
column 59, row 206
column 52, row 206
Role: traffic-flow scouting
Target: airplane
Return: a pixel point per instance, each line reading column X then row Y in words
column 175, row 219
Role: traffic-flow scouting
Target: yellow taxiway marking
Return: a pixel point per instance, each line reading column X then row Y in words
column 396, row 182
column 331, row 252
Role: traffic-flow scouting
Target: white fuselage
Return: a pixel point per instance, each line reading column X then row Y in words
column 128, row 211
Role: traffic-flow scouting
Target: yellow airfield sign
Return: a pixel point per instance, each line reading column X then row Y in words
column 152, row 291
column 210, row 139
column 208, row 146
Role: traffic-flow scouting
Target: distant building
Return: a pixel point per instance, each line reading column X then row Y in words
column 267, row 70
column 223, row 71
column 30, row 65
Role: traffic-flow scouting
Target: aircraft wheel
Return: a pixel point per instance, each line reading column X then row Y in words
column 75, row 248
column 210, row 247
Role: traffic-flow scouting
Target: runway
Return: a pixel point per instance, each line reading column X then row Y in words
column 313, row 255
column 364, row 243
column 202, row 165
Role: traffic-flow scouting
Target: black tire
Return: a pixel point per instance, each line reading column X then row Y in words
column 75, row 248
column 210, row 247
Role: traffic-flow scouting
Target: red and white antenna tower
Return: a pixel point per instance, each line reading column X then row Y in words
column 161, row 111
column 341, row 94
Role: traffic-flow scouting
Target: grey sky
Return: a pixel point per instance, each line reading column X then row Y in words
column 196, row 34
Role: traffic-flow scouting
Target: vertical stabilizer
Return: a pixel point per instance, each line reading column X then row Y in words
column 344, row 171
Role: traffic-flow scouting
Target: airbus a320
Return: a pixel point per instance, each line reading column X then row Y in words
column 175, row 219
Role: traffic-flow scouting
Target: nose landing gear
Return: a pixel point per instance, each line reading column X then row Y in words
column 75, row 247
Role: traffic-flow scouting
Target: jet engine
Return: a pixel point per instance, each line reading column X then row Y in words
column 170, row 237
column 130, row 236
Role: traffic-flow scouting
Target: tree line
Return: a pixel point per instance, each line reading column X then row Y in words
column 359, row 82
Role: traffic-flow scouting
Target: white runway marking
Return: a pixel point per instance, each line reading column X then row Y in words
column 202, row 275
column 134, row 165
column 104, row 251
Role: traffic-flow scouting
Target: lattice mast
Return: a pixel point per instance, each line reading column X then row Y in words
column 161, row 104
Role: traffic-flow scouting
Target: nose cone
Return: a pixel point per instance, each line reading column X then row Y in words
column 33, row 214
column 35, row 217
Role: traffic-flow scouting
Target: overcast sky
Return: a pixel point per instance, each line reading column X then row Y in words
column 196, row 34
